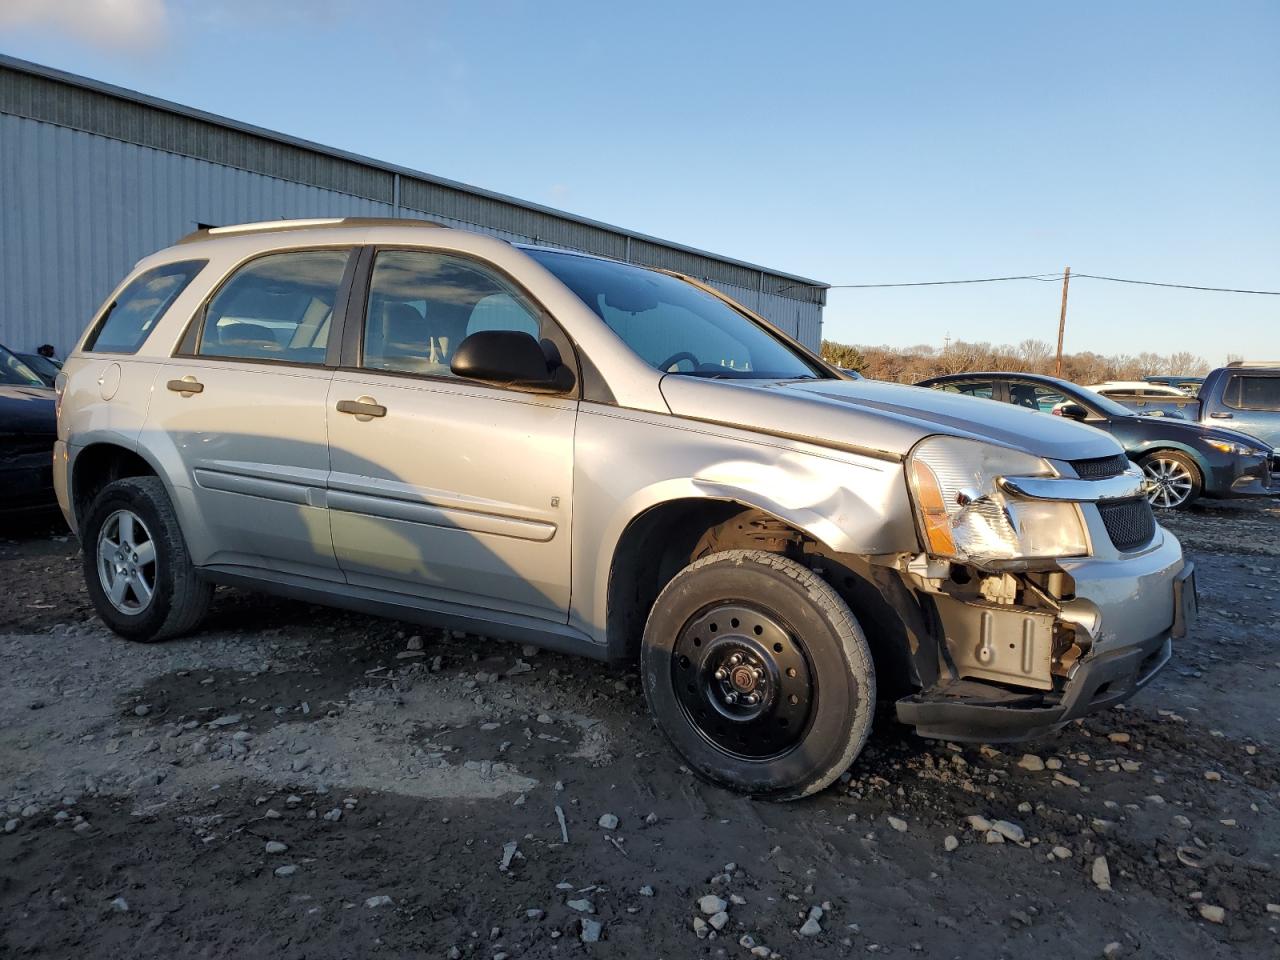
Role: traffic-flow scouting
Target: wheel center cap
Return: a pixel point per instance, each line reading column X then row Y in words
column 743, row 679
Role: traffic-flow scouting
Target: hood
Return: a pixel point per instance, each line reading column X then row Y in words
column 878, row 417
column 1177, row 428
column 27, row 410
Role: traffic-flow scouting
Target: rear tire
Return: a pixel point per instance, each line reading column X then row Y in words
column 1176, row 479
column 759, row 674
column 136, row 565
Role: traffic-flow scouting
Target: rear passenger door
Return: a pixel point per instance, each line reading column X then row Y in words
column 1252, row 400
column 445, row 488
column 242, row 406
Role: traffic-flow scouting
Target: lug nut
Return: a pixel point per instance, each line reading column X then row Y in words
column 722, row 674
column 731, row 697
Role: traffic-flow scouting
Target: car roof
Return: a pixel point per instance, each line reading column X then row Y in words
column 265, row 234
column 283, row 226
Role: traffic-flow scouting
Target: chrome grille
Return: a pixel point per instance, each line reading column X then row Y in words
column 1130, row 523
column 1099, row 468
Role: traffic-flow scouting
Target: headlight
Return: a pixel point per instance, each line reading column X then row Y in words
column 1241, row 449
column 964, row 515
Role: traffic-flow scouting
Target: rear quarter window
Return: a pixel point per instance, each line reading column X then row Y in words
column 1254, row 393
column 131, row 317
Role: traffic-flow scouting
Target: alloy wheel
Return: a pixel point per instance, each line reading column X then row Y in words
column 127, row 562
column 1170, row 482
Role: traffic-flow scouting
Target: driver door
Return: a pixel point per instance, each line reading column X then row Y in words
column 440, row 487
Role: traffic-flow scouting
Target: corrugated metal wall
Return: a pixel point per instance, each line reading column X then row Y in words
column 79, row 208
column 77, row 211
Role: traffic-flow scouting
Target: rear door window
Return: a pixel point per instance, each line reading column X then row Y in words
column 131, row 316
column 972, row 388
column 276, row 308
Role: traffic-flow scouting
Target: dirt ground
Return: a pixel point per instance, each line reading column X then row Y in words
column 298, row 783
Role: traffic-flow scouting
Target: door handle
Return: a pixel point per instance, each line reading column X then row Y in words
column 1222, row 416
column 186, row 386
column 365, row 408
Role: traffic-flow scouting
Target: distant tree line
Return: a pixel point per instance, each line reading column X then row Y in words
column 910, row 364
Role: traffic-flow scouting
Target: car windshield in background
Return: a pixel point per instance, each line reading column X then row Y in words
column 674, row 326
column 14, row 372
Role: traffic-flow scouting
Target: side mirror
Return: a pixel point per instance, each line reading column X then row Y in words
column 1072, row 411
column 512, row 358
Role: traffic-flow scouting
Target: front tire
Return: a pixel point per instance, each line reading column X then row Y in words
column 1176, row 481
column 759, row 674
column 136, row 566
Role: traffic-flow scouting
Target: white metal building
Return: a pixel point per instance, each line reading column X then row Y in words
column 94, row 177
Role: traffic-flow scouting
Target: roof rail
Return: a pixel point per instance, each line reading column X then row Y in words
column 1254, row 363
column 264, row 226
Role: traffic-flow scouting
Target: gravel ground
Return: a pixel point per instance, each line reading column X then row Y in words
column 299, row 783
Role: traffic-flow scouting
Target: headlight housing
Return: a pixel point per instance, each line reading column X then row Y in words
column 1240, row 449
column 964, row 515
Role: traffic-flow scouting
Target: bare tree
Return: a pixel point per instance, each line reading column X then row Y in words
column 912, row 364
column 1184, row 363
column 1035, row 354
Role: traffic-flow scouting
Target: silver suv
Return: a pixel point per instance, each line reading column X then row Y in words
column 533, row 444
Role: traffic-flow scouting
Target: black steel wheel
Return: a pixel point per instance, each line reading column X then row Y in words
column 743, row 680
column 759, row 674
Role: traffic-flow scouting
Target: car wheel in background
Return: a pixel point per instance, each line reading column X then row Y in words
column 1175, row 479
column 759, row 674
column 136, row 566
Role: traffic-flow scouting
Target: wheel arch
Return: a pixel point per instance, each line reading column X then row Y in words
column 99, row 463
column 660, row 541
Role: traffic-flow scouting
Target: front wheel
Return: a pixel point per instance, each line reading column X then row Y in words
column 1174, row 479
column 136, row 566
column 759, row 674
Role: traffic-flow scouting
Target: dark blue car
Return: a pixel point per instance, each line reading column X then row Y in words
column 1184, row 461
column 28, row 428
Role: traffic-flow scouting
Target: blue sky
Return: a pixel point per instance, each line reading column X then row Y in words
column 849, row 142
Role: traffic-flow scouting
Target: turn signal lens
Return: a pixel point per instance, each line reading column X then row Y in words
column 933, row 511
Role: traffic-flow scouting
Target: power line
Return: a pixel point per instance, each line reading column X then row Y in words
column 1180, row 286
column 1054, row 278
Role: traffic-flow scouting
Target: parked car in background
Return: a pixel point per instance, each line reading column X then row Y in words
column 1160, row 399
column 1137, row 388
column 1183, row 461
column 1188, row 385
column 46, row 368
column 28, row 429
column 614, row 461
column 1243, row 395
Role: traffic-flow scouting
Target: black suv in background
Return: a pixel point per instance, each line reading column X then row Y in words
column 1184, row 461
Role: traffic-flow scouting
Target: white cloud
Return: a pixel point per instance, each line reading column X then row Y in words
column 112, row 24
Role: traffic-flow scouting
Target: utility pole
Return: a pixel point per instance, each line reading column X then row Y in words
column 1062, row 319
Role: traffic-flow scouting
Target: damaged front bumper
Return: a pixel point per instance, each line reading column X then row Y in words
column 1016, row 671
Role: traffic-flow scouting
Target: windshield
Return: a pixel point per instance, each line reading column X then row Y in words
column 14, row 371
column 1105, row 405
column 674, row 326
